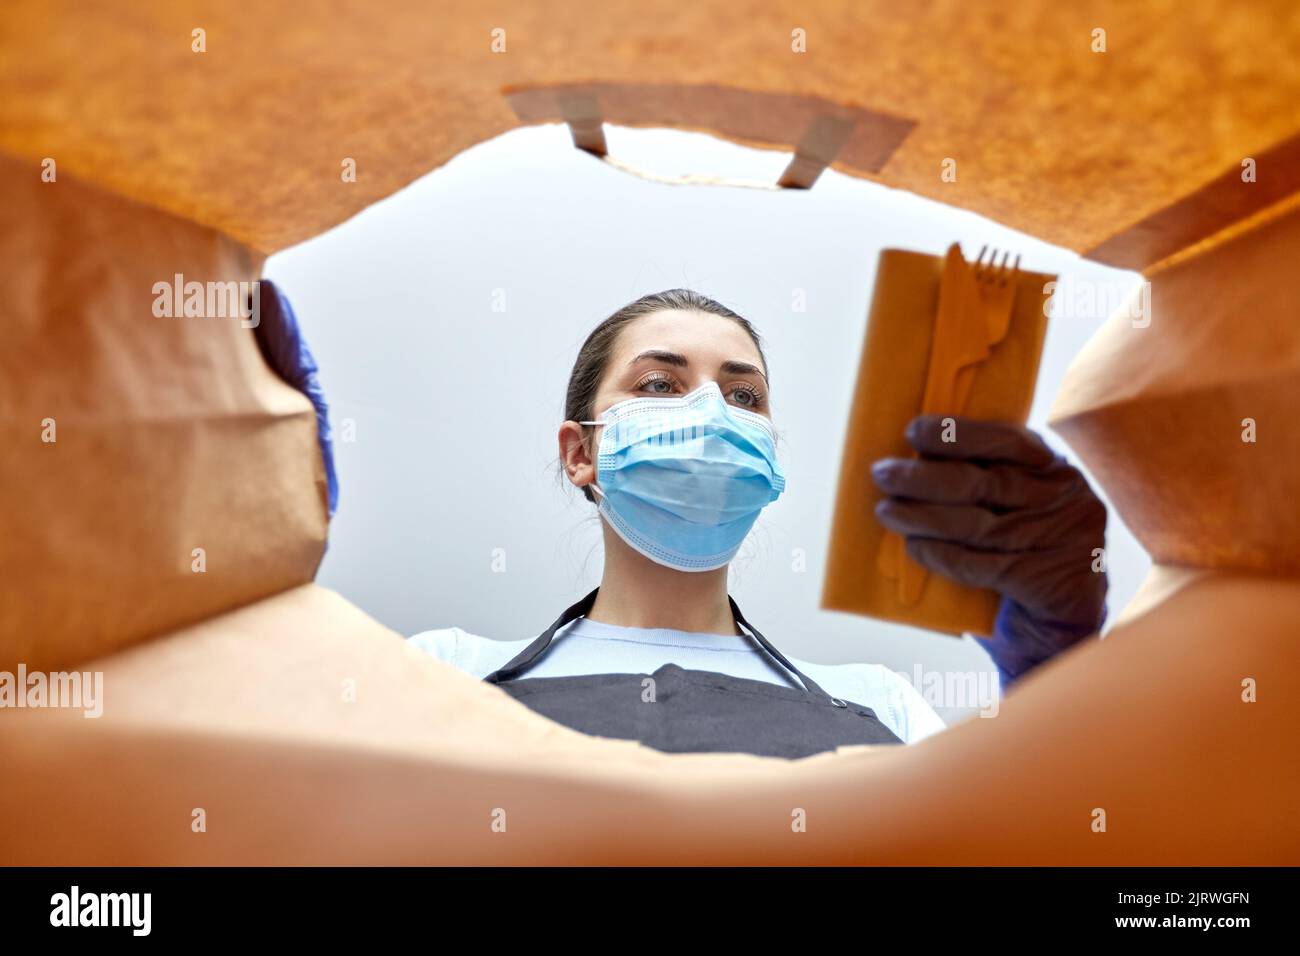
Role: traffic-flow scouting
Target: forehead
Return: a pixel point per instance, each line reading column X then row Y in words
column 701, row 336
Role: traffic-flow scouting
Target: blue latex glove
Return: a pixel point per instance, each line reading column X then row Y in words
column 997, row 508
column 282, row 344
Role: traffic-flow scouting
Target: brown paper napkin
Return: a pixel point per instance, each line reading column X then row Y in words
column 890, row 391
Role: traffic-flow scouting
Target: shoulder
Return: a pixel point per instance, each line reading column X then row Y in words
column 897, row 703
column 921, row 718
column 443, row 643
column 471, row 653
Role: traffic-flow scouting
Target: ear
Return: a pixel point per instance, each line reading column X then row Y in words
column 579, row 466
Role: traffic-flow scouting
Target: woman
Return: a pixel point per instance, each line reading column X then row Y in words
column 668, row 431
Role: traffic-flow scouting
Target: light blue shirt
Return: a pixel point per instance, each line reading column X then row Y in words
column 591, row 647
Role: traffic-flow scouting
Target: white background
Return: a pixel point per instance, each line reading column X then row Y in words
column 456, row 406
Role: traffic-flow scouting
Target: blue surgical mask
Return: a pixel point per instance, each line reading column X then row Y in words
column 682, row 479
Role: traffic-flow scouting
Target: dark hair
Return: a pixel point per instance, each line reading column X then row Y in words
column 593, row 358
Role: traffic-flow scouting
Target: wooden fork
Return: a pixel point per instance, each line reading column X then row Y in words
column 997, row 284
column 997, row 287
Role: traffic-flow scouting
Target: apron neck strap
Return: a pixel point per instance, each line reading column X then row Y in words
column 530, row 654
column 811, row 685
column 533, row 652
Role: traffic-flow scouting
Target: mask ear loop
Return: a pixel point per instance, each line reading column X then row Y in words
column 594, row 486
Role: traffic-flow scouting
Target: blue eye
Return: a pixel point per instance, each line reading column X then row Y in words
column 752, row 397
column 650, row 383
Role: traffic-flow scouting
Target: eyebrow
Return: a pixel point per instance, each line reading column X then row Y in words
column 676, row 358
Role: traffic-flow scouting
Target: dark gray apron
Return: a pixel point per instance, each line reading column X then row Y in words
column 693, row 711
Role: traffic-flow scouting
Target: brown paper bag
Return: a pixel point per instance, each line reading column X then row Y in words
column 154, row 471
column 1186, row 411
column 889, row 393
column 308, row 734
column 248, row 138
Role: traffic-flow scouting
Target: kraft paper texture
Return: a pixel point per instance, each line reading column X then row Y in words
column 1052, row 133
column 153, row 470
column 1189, row 415
column 309, row 734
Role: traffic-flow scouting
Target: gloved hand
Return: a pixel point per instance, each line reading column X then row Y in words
column 997, row 508
column 284, row 349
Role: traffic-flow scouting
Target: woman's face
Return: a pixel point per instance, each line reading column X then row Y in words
column 673, row 352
